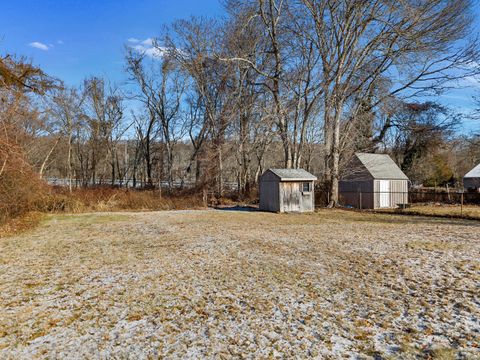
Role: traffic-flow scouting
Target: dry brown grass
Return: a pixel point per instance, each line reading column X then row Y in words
column 445, row 210
column 111, row 199
column 21, row 224
column 213, row 284
column 20, row 204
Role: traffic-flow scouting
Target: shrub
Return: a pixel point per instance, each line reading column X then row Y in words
column 20, row 186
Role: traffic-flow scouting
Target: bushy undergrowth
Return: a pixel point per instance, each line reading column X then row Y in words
column 20, row 224
column 110, row 199
column 22, row 192
column 20, row 187
column 19, row 193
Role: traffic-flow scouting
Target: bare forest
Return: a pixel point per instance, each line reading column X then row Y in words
column 213, row 102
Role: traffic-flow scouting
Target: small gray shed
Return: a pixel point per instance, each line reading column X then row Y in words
column 287, row 190
column 373, row 181
column 471, row 180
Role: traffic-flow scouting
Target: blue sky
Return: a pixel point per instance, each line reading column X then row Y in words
column 73, row 39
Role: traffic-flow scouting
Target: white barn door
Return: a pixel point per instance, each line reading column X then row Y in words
column 384, row 186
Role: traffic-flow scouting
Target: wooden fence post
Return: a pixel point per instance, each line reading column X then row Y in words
column 461, row 204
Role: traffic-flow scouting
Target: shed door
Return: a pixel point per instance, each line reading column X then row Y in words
column 384, row 186
column 291, row 196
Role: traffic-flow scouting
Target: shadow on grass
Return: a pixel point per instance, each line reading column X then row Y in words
column 237, row 208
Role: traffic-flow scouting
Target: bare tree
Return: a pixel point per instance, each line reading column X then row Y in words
column 161, row 92
column 194, row 44
column 106, row 113
column 361, row 41
column 266, row 19
column 66, row 109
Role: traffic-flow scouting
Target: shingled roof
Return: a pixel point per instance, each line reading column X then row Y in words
column 474, row 173
column 293, row 174
column 381, row 166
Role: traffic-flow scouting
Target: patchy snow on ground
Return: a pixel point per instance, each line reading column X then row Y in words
column 223, row 284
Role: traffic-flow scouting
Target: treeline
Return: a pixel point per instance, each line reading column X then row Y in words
column 275, row 83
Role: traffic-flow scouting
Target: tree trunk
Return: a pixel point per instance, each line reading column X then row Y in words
column 335, row 157
column 169, row 165
column 220, row 170
column 69, row 162
column 328, row 140
column 42, row 168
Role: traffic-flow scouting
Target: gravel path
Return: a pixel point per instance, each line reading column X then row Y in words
column 223, row 284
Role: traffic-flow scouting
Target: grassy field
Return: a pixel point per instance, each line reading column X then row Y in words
column 222, row 284
column 468, row 211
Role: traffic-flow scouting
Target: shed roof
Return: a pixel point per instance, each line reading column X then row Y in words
column 293, row 174
column 381, row 166
column 474, row 173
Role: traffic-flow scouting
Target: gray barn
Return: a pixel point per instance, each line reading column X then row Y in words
column 287, row 190
column 373, row 181
column 471, row 181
